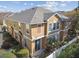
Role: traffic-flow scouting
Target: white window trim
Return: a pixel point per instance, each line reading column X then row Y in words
column 55, row 27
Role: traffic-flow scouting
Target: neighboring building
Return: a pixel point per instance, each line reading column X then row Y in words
column 32, row 27
column 2, row 17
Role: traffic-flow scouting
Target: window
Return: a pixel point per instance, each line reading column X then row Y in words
column 37, row 44
column 57, row 25
column 54, row 26
column 50, row 27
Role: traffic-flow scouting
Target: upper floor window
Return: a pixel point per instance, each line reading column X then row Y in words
column 54, row 26
column 57, row 25
column 50, row 27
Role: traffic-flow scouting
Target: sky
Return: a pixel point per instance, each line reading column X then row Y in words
column 16, row 6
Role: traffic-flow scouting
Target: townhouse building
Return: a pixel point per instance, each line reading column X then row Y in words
column 32, row 28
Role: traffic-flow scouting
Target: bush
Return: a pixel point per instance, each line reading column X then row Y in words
column 71, row 51
column 16, row 48
column 51, row 40
column 6, row 54
column 22, row 53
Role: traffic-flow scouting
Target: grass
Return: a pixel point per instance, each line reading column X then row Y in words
column 6, row 54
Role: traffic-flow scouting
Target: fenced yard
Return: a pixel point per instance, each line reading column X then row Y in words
column 58, row 51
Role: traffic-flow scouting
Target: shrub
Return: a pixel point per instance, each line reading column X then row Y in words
column 71, row 51
column 51, row 40
column 22, row 53
column 6, row 54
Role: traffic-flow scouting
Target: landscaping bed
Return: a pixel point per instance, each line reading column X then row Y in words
column 71, row 51
column 53, row 45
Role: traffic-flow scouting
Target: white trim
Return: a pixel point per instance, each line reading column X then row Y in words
column 54, row 33
column 33, row 38
column 54, row 15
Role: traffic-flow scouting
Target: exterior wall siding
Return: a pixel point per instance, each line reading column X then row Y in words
column 52, row 19
column 35, row 33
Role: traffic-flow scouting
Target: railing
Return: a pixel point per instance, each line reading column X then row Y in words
column 58, row 51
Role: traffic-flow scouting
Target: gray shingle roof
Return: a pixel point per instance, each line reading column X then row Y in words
column 31, row 16
column 62, row 17
column 35, row 15
column 47, row 15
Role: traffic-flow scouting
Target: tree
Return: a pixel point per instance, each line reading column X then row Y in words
column 75, row 22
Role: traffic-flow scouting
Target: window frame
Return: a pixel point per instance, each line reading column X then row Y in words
column 37, row 44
